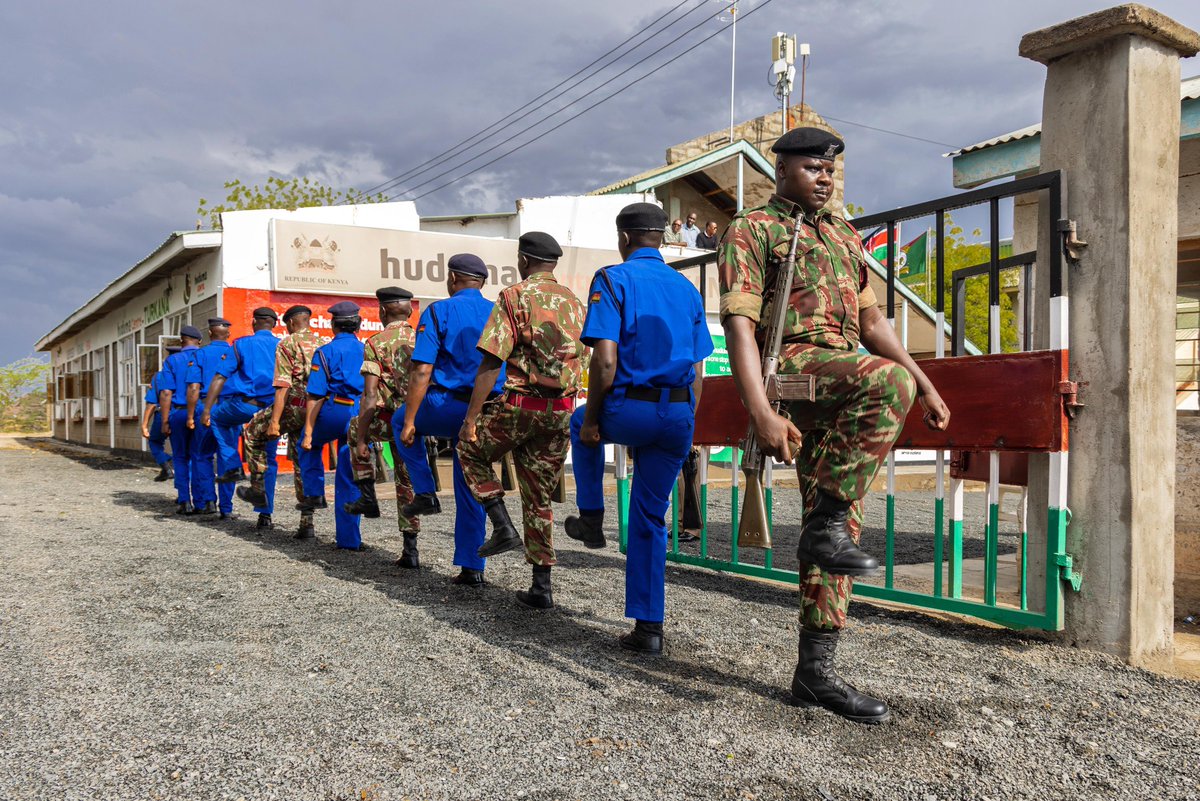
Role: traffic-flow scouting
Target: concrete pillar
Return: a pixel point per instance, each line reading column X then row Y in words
column 1110, row 122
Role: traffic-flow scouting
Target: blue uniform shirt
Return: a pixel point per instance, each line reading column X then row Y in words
column 446, row 338
column 655, row 316
column 205, row 367
column 176, row 368
column 157, row 385
column 337, row 368
column 250, row 370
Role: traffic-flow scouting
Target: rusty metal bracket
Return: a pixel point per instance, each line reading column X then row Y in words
column 1070, row 394
column 1072, row 245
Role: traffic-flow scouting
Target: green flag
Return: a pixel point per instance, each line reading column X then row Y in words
column 916, row 258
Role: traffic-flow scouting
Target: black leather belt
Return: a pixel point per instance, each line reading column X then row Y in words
column 676, row 395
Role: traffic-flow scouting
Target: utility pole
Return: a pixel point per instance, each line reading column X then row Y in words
column 783, row 59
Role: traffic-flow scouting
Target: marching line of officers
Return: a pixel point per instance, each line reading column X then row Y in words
column 500, row 379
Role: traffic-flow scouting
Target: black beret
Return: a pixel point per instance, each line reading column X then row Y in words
column 265, row 313
column 191, row 331
column 812, row 142
column 215, row 321
column 641, row 217
column 294, row 310
column 344, row 308
column 392, row 294
column 468, row 264
column 539, row 246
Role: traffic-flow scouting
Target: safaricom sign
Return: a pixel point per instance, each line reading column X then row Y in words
column 353, row 260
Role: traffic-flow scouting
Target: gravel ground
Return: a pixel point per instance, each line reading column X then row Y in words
column 144, row 655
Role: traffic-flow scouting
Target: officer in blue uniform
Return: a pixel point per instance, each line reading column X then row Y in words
column 241, row 386
column 444, row 363
column 646, row 326
column 334, row 387
column 204, row 448
column 152, row 423
column 175, row 422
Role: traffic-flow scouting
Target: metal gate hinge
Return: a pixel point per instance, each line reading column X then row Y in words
column 1072, row 245
column 1070, row 394
column 1066, row 571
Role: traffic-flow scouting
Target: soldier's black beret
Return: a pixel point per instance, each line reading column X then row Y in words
column 539, row 246
column 265, row 313
column 216, row 321
column 641, row 217
column 294, row 310
column 392, row 294
column 468, row 264
column 191, row 331
column 812, row 142
column 343, row 308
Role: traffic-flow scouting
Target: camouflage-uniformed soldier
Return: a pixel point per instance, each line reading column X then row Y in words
column 386, row 358
column 861, row 400
column 535, row 327
column 293, row 362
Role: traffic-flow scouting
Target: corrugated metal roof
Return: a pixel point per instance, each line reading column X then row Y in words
column 702, row 161
column 1189, row 89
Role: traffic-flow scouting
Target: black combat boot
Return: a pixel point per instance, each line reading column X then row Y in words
column 646, row 638
column 409, row 556
column 309, row 503
column 229, row 515
column 183, row 508
column 255, row 494
column 588, row 530
column 231, row 476
column 425, row 503
column 816, row 683
column 825, row 540
column 367, row 504
column 468, row 578
column 165, row 472
column 306, row 530
column 504, row 534
column 206, row 508
column 264, row 523
column 538, row 596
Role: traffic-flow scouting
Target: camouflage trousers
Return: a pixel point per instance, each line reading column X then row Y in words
column 859, row 410
column 291, row 423
column 380, row 431
column 538, row 441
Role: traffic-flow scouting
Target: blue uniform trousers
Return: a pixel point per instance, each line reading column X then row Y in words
column 441, row 415
column 184, row 442
column 228, row 417
column 659, row 436
column 347, row 527
column 331, row 424
column 204, row 452
column 155, row 441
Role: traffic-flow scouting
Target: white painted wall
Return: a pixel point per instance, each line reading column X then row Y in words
column 498, row 227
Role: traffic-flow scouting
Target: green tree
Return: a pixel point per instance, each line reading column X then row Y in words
column 280, row 193
column 23, row 395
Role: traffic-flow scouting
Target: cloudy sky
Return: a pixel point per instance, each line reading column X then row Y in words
column 119, row 116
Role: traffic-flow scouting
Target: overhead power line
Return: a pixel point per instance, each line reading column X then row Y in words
column 489, row 131
column 575, row 116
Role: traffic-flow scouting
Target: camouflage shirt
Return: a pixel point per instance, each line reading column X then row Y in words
column 830, row 286
column 293, row 361
column 387, row 355
column 535, row 327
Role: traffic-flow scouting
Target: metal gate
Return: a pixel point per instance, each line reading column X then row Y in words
column 1004, row 406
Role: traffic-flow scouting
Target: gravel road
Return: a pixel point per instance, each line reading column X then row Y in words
column 147, row 656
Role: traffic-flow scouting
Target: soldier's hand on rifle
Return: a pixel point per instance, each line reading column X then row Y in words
column 273, row 430
column 775, row 435
column 937, row 414
column 589, row 434
column 408, row 435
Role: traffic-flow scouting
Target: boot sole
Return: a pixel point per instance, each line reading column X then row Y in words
column 858, row 572
column 370, row 513
column 592, row 544
column 634, row 650
column 496, row 550
column 533, row 605
column 867, row 719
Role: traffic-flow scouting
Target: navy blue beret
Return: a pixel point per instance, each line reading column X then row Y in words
column 468, row 264
column 812, row 142
column 641, row 217
column 344, row 308
column 215, row 321
column 191, row 331
column 540, row 246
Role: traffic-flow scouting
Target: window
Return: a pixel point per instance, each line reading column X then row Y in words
column 100, row 383
column 127, row 372
column 173, row 322
column 1187, row 346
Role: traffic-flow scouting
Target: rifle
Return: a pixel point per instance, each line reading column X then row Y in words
column 754, row 530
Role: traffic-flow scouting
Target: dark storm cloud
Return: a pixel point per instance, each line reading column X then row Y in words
column 119, row 116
